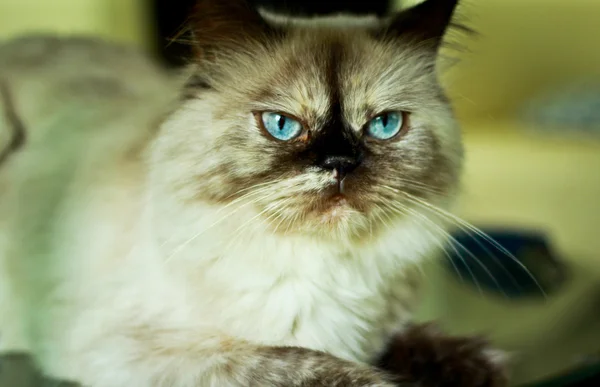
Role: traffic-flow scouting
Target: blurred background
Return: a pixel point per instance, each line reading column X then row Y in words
column 527, row 91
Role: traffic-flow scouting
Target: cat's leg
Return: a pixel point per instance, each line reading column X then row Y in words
column 425, row 355
column 151, row 357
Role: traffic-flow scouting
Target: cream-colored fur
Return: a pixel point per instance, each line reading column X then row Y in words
column 113, row 275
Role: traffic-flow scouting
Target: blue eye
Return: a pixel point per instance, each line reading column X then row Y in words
column 385, row 126
column 281, row 127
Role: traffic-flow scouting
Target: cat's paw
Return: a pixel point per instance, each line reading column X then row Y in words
column 350, row 376
column 424, row 355
column 302, row 367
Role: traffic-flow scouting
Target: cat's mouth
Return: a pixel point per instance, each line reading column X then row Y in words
column 334, row 202
column 336, row 194
column 334, row 208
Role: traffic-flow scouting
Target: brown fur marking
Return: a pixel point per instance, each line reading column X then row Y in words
column 424, row 355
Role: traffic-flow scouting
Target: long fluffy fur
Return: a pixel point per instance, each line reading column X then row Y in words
column 194, row 252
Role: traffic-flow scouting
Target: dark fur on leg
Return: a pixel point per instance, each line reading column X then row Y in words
column 425, row 356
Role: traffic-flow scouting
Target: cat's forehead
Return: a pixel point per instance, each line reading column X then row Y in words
column 321, row 68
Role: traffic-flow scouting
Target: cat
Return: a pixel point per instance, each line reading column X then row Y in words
column 250, row 223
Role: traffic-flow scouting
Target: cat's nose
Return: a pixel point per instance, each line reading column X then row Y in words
column 343, row 165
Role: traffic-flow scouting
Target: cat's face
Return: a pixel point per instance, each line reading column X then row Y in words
column 334, row 127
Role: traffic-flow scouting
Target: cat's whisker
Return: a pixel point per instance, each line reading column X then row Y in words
column 371, row 222
column 470, row 230
column 292, row 222
column 264, row 188
column 237, row 200
column 490, row 254
column 183, row 245
column 454, row 242
column 276, row 206
column 234, row 239
column 438, row 242
column 405, row 210
column 252, row 187
column 414, row 185
column 244, row 225
column 449, row 258
column 276, row 214
column 462, row 227
column 283, row 218
column 386, row 207
column 417, row 185
column 379, row 216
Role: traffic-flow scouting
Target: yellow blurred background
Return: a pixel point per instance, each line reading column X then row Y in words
column 516, row 174
column 121, row 20
column 523, row 44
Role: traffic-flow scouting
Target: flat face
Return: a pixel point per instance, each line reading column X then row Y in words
column 332, row 125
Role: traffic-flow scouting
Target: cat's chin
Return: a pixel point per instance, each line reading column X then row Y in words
column 335, row 209
column 336, row 217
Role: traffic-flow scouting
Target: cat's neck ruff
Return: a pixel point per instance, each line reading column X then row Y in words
column 215, row 236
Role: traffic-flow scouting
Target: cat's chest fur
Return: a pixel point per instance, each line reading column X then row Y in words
column 279, row 291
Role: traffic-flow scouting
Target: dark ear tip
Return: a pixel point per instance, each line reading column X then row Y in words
column 424, row 22
column 228, row 24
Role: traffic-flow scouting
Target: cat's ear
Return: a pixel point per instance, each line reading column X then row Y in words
column 226, row 24
column 425, row 23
